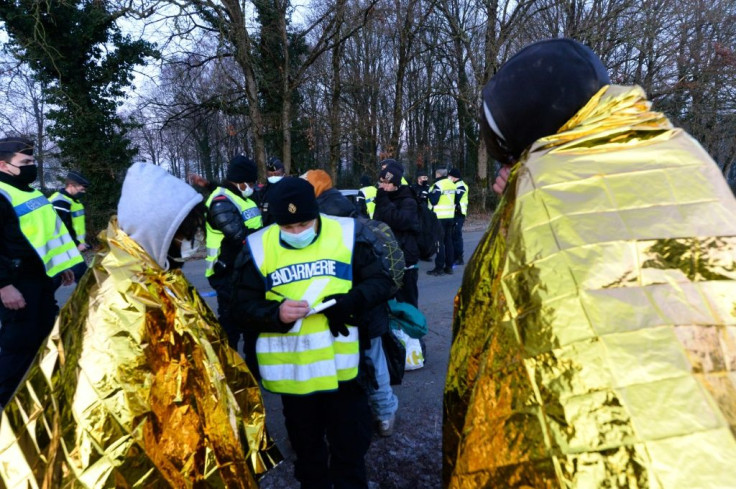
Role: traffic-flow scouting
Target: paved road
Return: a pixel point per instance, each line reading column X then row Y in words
column 420, row 394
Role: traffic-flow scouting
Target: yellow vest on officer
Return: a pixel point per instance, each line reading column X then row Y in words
column 462, row 187
column 76, row 209
column 251, row 218
column 308, row 358
column 370, row 197
column 43, row 229
column 445, row 207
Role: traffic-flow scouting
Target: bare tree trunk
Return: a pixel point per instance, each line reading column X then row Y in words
column 286, row 132
column 334, row 110
column 405, row 41
column 286, row 88
column 490, row 56
column 40, row 138
column 407, row 34
column 240, row 39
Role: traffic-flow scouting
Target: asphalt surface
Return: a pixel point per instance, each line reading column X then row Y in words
column 418, row 429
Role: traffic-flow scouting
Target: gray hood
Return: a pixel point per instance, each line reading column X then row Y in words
column 152, row 206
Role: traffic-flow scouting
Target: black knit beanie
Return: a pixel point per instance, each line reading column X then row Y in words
column 242, row 169
column 292, row 200
column 393, row 173
column 366, row 181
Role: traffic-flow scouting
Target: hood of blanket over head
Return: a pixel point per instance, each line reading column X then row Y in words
column 152, row 206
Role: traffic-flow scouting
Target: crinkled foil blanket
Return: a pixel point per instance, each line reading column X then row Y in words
column 595, row 329
column 136, row 387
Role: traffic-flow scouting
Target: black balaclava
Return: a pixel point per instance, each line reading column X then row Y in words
column 536, row 92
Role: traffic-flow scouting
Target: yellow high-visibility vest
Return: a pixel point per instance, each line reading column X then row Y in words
column 77, row 212
column 251, row 218
column 308, row 358
column 43, row 229
column 445, row 207
column 463, row 187
column 370, row 198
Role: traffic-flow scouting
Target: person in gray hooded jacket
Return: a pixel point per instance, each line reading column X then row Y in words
column 138, row 362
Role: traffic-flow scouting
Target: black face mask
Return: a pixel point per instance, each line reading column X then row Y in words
column 174, row 256
column 27, row 175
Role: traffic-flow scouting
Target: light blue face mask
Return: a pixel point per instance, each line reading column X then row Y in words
column 299, row 240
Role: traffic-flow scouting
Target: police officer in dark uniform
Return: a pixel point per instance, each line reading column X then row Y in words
column 312, row 358
column 34, row 247
column 421, row 187
column 365, row 201
column 275, row 171
column 67, row 204
column 232, row 215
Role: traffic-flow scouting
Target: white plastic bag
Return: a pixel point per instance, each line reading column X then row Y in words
column 414, row 356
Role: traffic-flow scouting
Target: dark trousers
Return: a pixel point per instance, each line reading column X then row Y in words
column 23, row 331
column 223, row 287
column 78, row 271
column 446, row 255
column 330, row 433
column 457, row 236
column 409, row 292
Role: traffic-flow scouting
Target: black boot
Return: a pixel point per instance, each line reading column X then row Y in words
column 436, row 272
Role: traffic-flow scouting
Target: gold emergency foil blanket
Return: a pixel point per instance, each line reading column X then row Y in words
column 136, row 387
column 595, row 329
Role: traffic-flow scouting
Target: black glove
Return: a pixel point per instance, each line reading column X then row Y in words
column 339, row 314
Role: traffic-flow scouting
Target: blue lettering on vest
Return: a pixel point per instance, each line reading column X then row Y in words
column 250, row 213
column 306, row 271
column 31, row 205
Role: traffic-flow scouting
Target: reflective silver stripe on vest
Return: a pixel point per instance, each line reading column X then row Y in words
column 347, row 224
column 60, row 258
column 78, row 213
column 347, row 361
column 60, row 196
column 211, row 253
column 53, row 244
column 300, row 373
column 308, row 371
column 56, row 243
column 305, row 342
column 255, row 241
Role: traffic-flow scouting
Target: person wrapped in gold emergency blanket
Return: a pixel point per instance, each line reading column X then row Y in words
column 595, row 330
column 136, row 386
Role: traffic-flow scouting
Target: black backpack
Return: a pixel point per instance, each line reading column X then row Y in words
column 428, row 239
column 389, row 251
